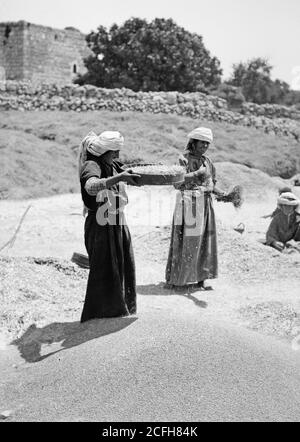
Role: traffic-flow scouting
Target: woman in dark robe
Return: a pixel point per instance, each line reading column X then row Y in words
column 193, row 249
column 111, row 287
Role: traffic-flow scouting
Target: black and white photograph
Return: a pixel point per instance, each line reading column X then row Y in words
column 150, row 214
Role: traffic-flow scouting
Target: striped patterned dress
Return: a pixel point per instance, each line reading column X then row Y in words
column 193, row 248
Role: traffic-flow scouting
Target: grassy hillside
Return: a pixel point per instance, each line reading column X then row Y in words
column 38, row 150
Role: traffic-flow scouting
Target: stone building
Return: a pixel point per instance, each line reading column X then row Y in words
column 35, row 53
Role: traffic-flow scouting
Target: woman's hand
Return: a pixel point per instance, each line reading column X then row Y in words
column 183, row 161
column 129, row 177
column 201, row 172
column 278, row 245
column 220, row 194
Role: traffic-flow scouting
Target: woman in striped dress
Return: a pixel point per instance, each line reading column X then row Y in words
column 193, row 249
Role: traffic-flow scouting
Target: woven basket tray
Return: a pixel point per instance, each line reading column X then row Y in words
column 163, row 178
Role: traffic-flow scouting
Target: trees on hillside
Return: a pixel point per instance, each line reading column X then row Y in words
column 155, row 56
column 254, row 79
column 162, row 56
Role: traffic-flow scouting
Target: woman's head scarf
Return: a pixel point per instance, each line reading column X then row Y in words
column 99, row 144
column 288, row 199
column 202, row 134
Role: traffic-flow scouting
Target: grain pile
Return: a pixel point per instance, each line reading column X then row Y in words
column 241, row 260
column 256, row 185
column 39, row 291
column 158, row 170
column 43, row 291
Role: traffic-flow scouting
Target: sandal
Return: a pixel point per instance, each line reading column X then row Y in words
column 203, row 286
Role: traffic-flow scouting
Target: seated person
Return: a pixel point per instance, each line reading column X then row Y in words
column 285, row 225
column 280, row 191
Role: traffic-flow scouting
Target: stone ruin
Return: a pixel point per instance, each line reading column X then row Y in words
column 35, row 53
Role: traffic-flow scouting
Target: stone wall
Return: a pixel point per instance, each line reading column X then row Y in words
column 25, row 96
column 41, row 54
column 270, row 111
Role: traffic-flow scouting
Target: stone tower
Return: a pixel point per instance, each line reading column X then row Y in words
column 35, row 53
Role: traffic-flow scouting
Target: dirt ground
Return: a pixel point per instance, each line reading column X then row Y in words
column 257, row 287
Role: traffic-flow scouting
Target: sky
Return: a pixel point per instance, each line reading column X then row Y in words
column 232, row 30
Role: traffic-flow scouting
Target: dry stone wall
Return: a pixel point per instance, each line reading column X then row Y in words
column 270, row 111
column 27, row 97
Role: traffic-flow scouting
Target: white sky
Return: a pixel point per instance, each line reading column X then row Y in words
column 233, row 30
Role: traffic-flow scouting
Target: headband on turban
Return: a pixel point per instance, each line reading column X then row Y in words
column 288, row 199
column 202, row 134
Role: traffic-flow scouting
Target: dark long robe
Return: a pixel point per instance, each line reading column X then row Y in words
column 111, row 287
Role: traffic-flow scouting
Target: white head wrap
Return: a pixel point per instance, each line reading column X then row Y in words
column 288, row 199
column 202, row 134
column 108, row 140
column 99, row 144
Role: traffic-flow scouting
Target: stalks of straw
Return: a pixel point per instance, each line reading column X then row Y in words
column 235, row 196
column 12, row 240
